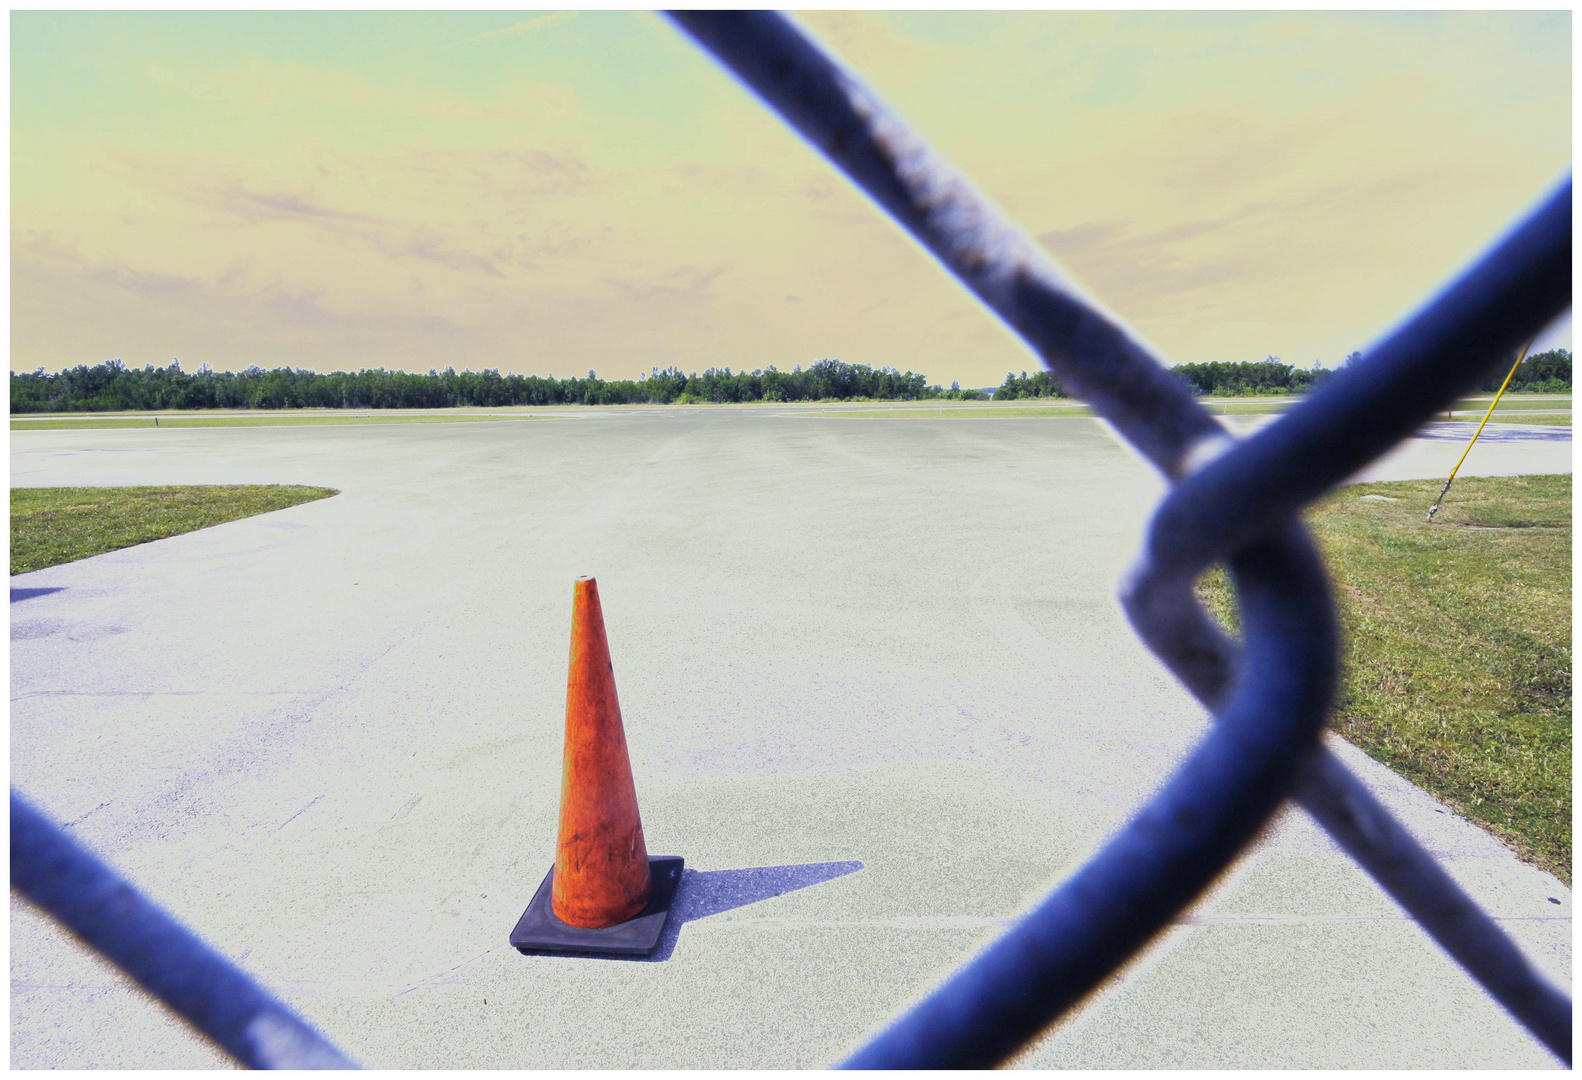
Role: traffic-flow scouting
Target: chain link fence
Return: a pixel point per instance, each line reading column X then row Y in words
column 1231, row 502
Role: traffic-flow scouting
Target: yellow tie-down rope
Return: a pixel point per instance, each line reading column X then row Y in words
column 1432, row 510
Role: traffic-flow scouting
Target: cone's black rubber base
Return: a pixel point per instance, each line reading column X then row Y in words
column 538, row 931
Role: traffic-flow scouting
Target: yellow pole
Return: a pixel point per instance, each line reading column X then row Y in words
column 1432, row 510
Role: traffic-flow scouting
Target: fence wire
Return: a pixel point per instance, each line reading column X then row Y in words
column 1231, row 502
column 1236, row 503
column 202, row 987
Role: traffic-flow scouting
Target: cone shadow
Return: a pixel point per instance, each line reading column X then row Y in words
column 700, row 894
column 710, row 892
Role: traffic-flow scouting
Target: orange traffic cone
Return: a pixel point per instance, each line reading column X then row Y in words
column 601, row 862
column 606, row 895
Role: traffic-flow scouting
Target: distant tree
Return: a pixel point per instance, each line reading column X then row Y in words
column 1546, row 372
column 1042, row 384
column 111, row 385
column 1264, row 377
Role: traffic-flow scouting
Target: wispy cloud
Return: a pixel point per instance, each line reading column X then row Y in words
column 531, row 26
column 238, row 323
column 254, row 207
column 1233, row 184
column 265, row 88
column 506, row 175
column 429, row 246
column 673, row 283
column 396, row 239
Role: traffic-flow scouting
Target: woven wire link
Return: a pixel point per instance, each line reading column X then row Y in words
column 110, row 916
column 1235, row 503
column 1232, row 502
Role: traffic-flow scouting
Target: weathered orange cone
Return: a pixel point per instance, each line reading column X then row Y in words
column 601, row 862
column 604, row 895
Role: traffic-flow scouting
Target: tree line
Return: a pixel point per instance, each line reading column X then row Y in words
column 1220, row 379
column 1542, row 373
column 114, row 387
column 1545, row 372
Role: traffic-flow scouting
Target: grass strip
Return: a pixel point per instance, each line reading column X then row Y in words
column 1216, row 406
column 980, row 413
column 211, row 420
column 1549, row 410
column 50, row 526
column 1512, row 402
column 1457, row 669
column 1555, row 413
column 1547, row 419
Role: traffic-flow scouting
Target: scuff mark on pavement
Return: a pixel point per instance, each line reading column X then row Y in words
column 298, row 814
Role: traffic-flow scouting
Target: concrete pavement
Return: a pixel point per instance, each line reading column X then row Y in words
column 328, row 739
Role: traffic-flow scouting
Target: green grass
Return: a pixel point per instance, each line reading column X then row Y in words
column 951, row 412
column 1523, row 409
column 1551, row 419
column 50, row 526
column 243, row 419
column 1046, row 408
column 1553, row 411
column 1515, row 402
column 1458, row 645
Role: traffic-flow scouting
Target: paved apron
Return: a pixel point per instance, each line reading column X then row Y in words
column 328, row 739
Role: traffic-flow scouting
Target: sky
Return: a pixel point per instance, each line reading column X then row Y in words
column 558, row 192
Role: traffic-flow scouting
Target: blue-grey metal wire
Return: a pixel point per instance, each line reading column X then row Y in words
column 109, row 914
column 1232, row 502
